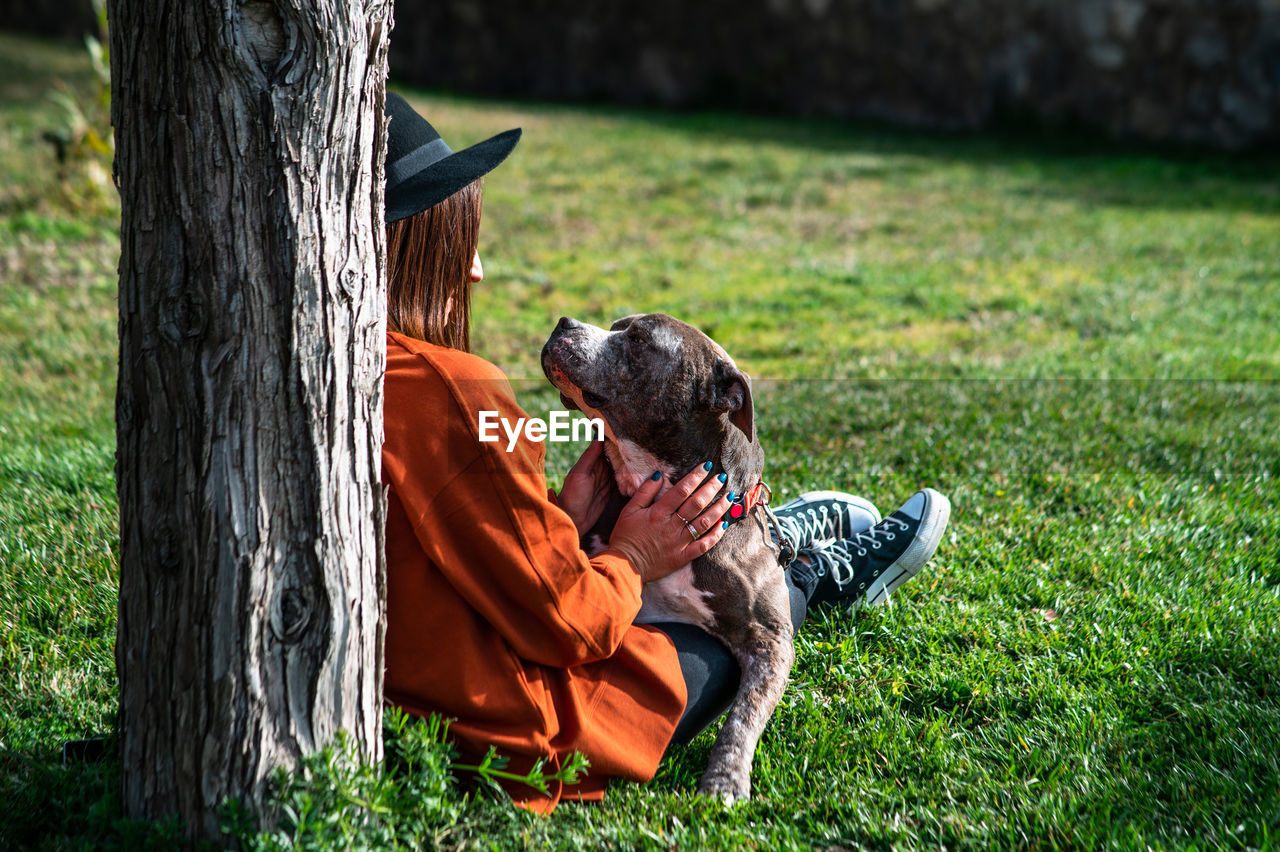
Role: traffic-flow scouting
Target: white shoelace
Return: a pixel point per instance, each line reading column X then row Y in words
column 836, row 557
column 811, row 527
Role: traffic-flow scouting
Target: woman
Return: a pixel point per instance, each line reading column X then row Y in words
column 495, row 617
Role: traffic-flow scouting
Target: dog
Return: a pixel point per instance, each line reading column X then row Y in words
column 671, row 399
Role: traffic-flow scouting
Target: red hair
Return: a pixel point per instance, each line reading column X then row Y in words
column 429, row 259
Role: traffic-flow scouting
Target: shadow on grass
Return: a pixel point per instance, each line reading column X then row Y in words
column 1068, row 163
column 1064, row 160
column 28, row 65
column 45, row 801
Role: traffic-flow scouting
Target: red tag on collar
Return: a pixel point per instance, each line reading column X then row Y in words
column 741, row 507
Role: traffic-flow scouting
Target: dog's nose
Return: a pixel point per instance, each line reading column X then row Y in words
column 567, row 323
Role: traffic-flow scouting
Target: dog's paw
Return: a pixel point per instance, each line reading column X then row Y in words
column 728, row 787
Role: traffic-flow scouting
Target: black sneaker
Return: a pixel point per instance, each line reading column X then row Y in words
column 816, row 518
column 870, row 565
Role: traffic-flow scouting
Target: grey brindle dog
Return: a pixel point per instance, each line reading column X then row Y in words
column 671, row 399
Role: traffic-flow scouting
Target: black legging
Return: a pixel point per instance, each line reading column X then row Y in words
column 710, row 672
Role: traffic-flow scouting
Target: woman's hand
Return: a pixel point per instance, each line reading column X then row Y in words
column 660, row 538
column 586, row 488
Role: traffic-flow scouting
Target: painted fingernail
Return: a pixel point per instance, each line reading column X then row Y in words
column 657, row 474
column 707, row 465
column 724, row 525
column 722, row 477
column 731, row 496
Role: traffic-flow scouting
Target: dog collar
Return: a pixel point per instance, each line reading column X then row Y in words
column 748, row 500
column 760, row 495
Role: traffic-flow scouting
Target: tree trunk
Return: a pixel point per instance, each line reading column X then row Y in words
column 249, row 158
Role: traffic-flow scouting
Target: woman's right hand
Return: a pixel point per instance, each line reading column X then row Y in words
column 661, row 537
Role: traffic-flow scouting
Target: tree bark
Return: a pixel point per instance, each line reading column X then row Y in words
column 249, row 159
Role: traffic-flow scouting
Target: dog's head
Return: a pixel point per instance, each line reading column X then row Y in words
column 670, row 397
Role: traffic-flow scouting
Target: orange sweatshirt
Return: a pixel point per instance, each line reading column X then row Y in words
column 495, row 616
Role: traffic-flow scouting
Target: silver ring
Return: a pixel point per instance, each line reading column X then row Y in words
column 692, row 531
column 683, row 519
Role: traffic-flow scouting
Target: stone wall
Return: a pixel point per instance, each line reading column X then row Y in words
column 1191, row 71
column 64, row 18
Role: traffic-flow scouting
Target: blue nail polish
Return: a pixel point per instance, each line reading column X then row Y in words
column 657, row 474
column 707, row 466
column 722, row 477
column 731, row 496
column 724, row 525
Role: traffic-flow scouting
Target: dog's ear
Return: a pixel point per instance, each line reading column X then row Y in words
column 733, row 394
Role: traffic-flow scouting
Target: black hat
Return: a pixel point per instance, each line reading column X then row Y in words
column 422, row 170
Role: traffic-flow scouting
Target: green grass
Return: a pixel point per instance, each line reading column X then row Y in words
column 1080, row 344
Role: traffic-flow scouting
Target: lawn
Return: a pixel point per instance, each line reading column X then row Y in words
column 1079, row 343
